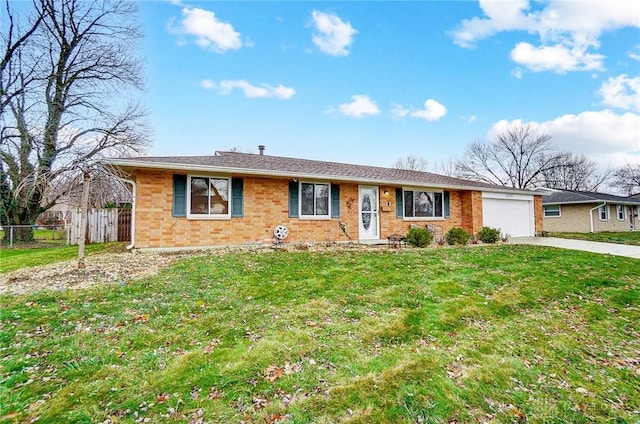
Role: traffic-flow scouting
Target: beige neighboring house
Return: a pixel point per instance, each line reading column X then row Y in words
column 588, row 212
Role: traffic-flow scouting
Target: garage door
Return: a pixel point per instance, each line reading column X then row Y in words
column 510, row 216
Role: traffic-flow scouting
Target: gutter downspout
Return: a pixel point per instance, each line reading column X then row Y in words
column 133, row 211
column 591, row 214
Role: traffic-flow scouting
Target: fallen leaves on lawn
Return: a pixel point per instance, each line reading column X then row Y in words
column 141, row 318
column 274, row 372
column 215, row 393
column 259, row 402
column 212, row 345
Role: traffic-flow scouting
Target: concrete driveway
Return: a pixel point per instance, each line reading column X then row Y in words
column 587, row 246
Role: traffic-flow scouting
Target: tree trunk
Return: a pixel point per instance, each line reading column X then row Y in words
column 83, row 219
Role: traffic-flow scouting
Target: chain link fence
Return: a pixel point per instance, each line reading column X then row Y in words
column 36, row 235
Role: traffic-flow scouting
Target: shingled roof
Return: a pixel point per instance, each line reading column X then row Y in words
column 276, row 166
column 558, row 197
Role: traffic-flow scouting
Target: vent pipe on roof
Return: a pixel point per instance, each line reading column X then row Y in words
column 261, row 148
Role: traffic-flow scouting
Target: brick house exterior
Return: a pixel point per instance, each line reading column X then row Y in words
column 249, row 195
column 584, row 212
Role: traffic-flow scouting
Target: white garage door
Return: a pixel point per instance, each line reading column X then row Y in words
column 513, row 217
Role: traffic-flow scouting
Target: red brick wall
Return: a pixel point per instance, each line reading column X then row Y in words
column 471, row 205
column 538, row 214
column 266, row 205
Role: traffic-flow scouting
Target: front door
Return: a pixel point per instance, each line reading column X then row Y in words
column 368, row 208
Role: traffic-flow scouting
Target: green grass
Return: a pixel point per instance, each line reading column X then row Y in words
column 45, row 236
column 624, row 237
column 12, row 259
column 505, row 333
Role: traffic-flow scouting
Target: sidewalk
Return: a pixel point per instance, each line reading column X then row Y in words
column 587, row 246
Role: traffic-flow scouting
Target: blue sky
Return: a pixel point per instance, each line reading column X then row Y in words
column 369, row 82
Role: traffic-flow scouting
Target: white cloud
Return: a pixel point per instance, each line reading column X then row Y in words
column 399, row 111
column 621, row 92
column 605, row 136
column 333, row 36
column 209, row 32
column 558, row 58
column 360, row 106
column 566, row 29
column 250, row 91
column 208, row 84
column 517, row 73
column 635, row 54
column 432, row 111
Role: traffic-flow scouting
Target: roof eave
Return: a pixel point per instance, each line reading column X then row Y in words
column 584, row 202
column 300, row 175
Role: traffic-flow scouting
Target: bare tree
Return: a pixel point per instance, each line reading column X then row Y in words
column 517, row 157
column 13, row 79
column 627, row 178
column 575, row 172
column 445, row 167
column 70, row 79
column 411, row 162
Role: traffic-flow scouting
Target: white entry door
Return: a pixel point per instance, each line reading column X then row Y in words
column 368, row 208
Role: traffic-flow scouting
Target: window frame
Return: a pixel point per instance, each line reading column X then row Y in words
column 424, row 218
column 209, row 215
column 314, row 216
column 604, row 208
column 544, row 208
column 623, row 209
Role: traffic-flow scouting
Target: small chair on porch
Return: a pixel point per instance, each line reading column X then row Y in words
column 436, row 230
column 397, row 240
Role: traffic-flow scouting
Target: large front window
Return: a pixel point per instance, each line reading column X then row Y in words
column 209, row 197
column 423, row 204
column 314, row 199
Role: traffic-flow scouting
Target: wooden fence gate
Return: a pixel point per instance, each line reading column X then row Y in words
column 102, row 226
column 124, row 224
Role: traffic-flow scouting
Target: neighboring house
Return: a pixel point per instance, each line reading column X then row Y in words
column 239, row 198
column 584, row 212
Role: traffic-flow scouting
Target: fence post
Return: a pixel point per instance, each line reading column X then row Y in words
column 11, row 237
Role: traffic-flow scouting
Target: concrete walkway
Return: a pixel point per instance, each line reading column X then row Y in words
column 587, row 246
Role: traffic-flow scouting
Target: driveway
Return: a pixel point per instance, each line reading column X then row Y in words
column 587, row 246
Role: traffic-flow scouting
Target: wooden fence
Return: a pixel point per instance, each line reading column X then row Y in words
column 102, row 226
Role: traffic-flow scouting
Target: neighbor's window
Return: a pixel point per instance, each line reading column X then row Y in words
column 209, row 197
column 423, row 204
column 604, row 212
column 314, row 199
column 551, row 211
column 621, row 212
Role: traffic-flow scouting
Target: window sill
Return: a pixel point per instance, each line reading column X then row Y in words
column 314, row 218
column 208, row 217
column 422, row 219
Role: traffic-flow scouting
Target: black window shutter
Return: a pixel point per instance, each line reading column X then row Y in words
column 399, row 204
column 447, row 205
column 335, row 200
column 179, row 196
column 237, row 187
column 293, row 199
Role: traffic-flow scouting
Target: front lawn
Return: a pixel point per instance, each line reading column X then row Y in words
column 12, row 259
column 501, row 334
column 624, row 237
